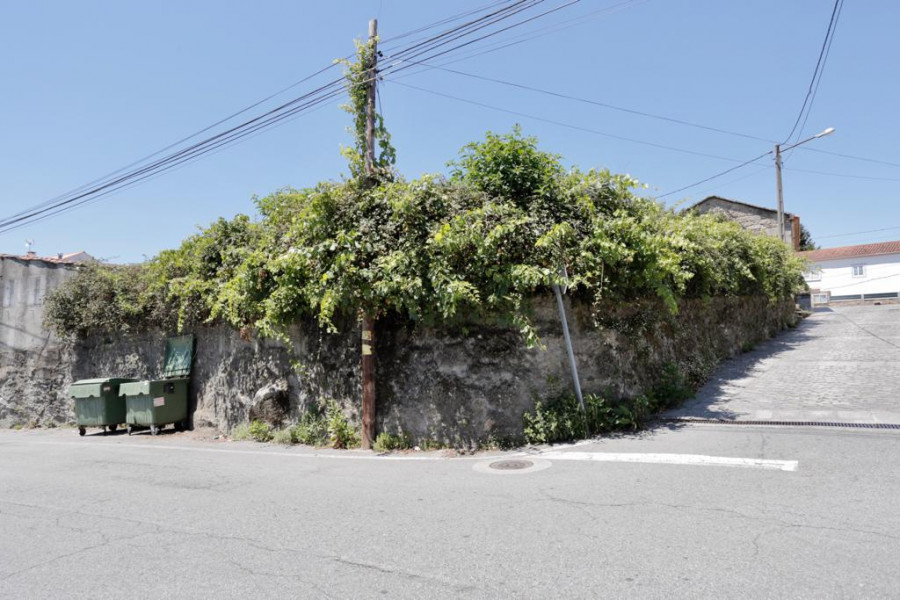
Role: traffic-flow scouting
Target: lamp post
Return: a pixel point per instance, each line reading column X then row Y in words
column 778, row 150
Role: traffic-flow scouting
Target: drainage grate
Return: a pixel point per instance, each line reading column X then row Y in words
column 788, row 423
column 511, row 465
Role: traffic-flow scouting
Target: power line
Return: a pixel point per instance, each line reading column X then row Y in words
column 653, row 116
column 825, row 237
column 735, row 180
column 824, row 61
column 547, row 30
column 850, row 156
column 595, row 103
column 279, row 114
column 842, row 175
column 817, row 72
column 717, row 175
column 563, row 124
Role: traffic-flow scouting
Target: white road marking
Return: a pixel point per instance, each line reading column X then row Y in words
column 675, row 459
column 661, row 459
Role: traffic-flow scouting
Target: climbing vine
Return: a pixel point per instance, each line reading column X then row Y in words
column 358, row 75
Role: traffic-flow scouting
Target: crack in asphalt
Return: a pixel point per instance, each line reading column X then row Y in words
column 412, row 576
column 764, row 519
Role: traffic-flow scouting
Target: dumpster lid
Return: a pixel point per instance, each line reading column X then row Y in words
column 86, row 388
column 179, row 356
column 134, row 388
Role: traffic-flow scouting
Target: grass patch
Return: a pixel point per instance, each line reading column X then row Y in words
column 388, row 442
column 282, row 436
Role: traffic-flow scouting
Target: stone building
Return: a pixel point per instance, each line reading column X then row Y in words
column 29, row 355
column 752, row 217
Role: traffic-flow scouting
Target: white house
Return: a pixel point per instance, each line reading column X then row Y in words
column 864, row 272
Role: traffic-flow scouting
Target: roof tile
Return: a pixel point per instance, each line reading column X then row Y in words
column 852, row 251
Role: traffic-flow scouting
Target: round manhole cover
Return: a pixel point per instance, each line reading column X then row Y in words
column 511, row 465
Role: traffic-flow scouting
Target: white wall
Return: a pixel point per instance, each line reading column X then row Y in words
column 23, row 285
column 882, row 274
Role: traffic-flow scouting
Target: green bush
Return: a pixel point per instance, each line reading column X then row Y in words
column 241, row 433
column 561, row 419
column 283, row 436
column 259, row 431
column 341, row 434
column 312, row 430
column 387, row 442
column 475, row 246
column 672, row 388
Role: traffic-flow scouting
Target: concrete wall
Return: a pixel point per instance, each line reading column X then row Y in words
column 455, row 386
column 881, row 274
column 750, row 218
column 31, row 379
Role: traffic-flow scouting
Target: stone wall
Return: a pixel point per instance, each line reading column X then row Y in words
column 33, row 363
column 751, row 218
column 455, row 386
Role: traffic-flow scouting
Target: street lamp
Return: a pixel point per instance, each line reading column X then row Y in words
column 778, row 150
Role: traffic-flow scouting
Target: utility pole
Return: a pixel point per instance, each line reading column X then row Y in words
column 780, row 192
column 778, row 150
column 367, row 361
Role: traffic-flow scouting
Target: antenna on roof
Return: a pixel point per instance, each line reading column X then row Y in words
column 28, row 245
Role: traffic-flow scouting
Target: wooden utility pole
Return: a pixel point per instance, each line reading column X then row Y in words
column 368, row 323
column 780, row 192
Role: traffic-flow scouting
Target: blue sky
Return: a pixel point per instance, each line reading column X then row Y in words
column 89, row 87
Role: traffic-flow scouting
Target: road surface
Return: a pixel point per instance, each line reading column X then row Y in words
column 680, row 511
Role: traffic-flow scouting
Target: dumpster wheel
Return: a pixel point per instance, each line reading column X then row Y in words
column 128, row 429
column 81, row 431
column 113, row 427
column 154, row 430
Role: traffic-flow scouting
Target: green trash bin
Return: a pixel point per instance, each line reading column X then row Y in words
column 160, row 402
column 97, row 403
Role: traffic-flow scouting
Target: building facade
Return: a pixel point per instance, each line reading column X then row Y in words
column 752, row 217
column 29, row 355
column 854, row 273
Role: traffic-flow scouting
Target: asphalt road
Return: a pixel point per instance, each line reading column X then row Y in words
column 688, row 511
column 167, row 517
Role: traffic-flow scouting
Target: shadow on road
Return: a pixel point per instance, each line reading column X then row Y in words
column 706, row 403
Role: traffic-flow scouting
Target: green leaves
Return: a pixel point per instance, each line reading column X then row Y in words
column 474, row 248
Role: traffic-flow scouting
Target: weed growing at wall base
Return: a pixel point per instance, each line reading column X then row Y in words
column 561, row 419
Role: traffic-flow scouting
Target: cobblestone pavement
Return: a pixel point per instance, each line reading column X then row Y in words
column 841, row 364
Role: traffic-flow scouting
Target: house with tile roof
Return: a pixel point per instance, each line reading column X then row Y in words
column 854, row 273
column 751, row 217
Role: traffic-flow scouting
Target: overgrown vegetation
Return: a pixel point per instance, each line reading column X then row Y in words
column 561, row 419
column 323, row 425
column 388, row 442
column 476, row 245
column 256, row 431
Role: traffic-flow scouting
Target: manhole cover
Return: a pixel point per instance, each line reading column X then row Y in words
column 511, row 465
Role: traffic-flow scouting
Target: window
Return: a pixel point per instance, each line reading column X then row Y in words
column 814, row 274
column 859, row 270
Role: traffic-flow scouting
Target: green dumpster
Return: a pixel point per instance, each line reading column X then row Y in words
column 97, row 403
column 160, row 402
